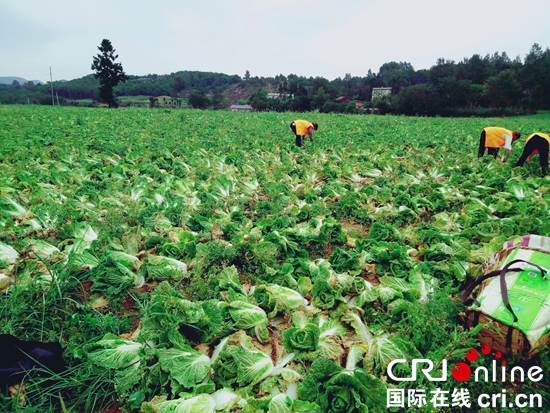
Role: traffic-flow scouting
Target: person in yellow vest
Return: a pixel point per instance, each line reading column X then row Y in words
column 492, row 138
column 540, row 142
column 303, row 128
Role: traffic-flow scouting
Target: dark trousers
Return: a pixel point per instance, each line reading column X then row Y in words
column 481, row 151
column 298, row 137
column 536, row 142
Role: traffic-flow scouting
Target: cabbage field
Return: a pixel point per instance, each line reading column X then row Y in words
column 198, row 261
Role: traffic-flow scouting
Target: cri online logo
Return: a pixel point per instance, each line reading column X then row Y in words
column 462, row 371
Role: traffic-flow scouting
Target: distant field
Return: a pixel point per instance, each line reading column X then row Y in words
column 545, row 115
column 141, row 239
column 137, row 100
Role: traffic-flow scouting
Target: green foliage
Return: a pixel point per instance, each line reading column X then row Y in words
column 198, row 99
column 259, row 100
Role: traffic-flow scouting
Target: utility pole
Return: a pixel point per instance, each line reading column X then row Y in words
column 51, row 84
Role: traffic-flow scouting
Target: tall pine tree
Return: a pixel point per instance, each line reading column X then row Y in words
column 108, row 72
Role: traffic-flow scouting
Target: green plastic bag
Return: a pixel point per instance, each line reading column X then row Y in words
column 527, row 307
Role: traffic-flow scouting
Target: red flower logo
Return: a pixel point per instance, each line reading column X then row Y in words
column 462, row 371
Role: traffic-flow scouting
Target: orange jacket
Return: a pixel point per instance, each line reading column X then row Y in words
column 302, row 127
column 494, row 136
column 542, row 135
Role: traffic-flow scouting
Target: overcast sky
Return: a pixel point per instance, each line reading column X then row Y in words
column 327, row 38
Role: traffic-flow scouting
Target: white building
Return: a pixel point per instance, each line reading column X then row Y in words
column 241, row 108
column 380, row 92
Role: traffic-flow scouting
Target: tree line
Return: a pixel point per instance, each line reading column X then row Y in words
column 479, row 85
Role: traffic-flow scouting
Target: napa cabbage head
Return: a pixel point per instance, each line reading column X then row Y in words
column 185, row 365
column 303, row 341
column 338, row 390
column 79, row 237
column 283, row 299
column 112, row 352
column 241, row 367
column 241, row 364
column 280, row 403
column 227, row 279
column 329, row 339
column 42, row 249
column 203, row 403
column 116, row 272
column 160, row 268
column 324, row 295
column 200, row 321
column 344, row 261
column 382, row 232
column 249, row 316
column 8, row 254
column 5, row 282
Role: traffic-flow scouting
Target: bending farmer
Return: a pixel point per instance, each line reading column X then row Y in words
column 494, row 138
column 537, row 141
column 301, row 128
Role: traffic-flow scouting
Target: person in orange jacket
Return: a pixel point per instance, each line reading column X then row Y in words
column 492, row 138
column 303, row 128
column 540, row 142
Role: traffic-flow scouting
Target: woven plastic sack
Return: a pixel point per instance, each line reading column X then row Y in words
column 513, row 298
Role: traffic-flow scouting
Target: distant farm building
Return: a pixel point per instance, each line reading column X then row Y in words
column 380, row 92
column 241, row 108
column 343, row 99
column 359, row 105
column 346, row 99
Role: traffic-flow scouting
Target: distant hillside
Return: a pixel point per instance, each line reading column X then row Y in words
column 8, row 80
column 487, row 86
